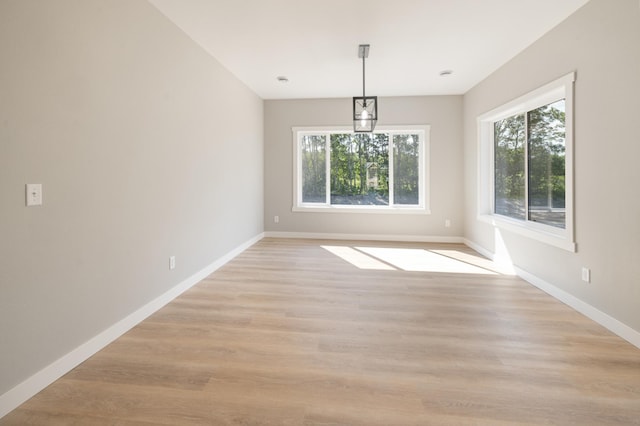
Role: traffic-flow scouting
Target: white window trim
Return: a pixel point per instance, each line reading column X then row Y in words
column 553, row 91
column 424, row 155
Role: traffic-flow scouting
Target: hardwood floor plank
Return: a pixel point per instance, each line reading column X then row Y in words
column 293, row 332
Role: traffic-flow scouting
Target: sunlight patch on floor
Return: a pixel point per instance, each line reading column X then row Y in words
column 472, row 259
column 357, row 258
column 419, row 260
column 414, row 260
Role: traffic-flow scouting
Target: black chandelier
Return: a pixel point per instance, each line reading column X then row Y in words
column 365, row 108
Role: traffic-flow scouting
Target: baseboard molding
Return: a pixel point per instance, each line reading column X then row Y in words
column 505, row 264
column 364, row 237
column 486, row 253
column 34, row 384
column 624, row 331
column 605, row 320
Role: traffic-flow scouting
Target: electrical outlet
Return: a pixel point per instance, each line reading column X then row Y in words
column 276, row 219
column 586, row 275
column 172, row 262
column 34, row 194
column 447, row 223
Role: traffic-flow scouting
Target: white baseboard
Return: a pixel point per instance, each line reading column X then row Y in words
column 486, row 253
column 43, row 378
column 608, row 322
column 627, row 333
column 364, row 237
column 505, row 264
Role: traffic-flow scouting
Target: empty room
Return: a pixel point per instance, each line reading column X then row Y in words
column 337, row 212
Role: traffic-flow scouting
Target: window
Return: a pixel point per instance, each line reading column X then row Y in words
column 338, row 170
column 525, row 173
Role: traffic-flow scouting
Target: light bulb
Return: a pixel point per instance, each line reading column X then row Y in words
column 363, row 118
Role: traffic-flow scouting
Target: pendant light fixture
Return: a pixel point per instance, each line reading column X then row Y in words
column 365, row 108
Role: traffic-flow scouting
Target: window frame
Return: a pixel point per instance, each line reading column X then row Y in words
column 423, row 173
column 564, row 238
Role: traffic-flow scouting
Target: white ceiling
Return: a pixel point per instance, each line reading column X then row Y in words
column 315, row 42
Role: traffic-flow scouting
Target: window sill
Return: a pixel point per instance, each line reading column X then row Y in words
column 361, row 210
column 521, row 228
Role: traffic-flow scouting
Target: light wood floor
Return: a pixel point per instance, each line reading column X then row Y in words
column 290, row 333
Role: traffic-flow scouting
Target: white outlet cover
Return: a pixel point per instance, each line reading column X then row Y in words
column 33, row 193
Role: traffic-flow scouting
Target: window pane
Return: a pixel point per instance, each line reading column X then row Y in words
column 313, row 159
column 546, row 127
column 509, row 137
column 360, row 169
column 406, row 169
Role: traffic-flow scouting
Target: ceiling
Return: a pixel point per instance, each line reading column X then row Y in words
column 314, row 43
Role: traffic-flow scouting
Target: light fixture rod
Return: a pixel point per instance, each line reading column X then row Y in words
column 363, row 52
column 363, row 95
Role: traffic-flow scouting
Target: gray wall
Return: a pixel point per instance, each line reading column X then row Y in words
column 146, row 147
column 601, row 42
column 443, row 113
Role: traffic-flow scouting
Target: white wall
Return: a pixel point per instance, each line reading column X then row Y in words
column 601, row 42
column 442, row 113
column 146, row 147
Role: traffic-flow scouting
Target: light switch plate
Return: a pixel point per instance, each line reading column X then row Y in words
column 34, row 194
